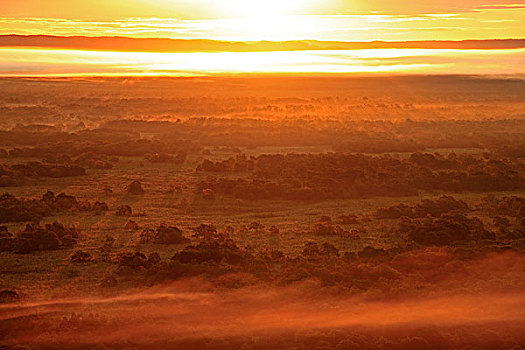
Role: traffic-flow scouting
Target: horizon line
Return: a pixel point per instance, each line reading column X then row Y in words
column 133, row 44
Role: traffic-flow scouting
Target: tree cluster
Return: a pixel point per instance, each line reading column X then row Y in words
column 337, row 175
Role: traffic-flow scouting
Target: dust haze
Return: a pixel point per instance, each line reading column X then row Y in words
column 167, row 316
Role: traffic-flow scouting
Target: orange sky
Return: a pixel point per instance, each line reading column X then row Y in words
column 346, row 20
column 256, row 20
column 198, row 9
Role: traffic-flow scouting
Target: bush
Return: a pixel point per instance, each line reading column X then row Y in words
column 445, row 230
column 427, row 207
column 212, row 251
column 49, row 237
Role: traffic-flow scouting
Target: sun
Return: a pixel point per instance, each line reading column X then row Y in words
column 263, row 8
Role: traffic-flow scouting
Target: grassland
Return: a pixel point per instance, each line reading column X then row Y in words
column 295, row 261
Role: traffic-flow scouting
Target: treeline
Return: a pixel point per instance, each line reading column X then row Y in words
column 14, row 209
column 345, row 135
column 125, row 137
column 131, row 148
column 444, row 245
column 17, row 174
column 337, row 175
column 35, row 134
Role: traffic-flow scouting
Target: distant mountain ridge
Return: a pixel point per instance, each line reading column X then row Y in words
column 129, row 44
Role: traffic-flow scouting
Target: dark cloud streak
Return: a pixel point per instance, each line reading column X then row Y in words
column 127, row 44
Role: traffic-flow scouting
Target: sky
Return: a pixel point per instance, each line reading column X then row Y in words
column 256, row 20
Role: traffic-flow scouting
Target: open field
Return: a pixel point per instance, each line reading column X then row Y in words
column 262, row 213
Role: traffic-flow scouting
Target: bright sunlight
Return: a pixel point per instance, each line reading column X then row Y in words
column 263, row 8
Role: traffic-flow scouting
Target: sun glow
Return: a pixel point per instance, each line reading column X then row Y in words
column 251, row 24
column 263, row 8
column 22, row 62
